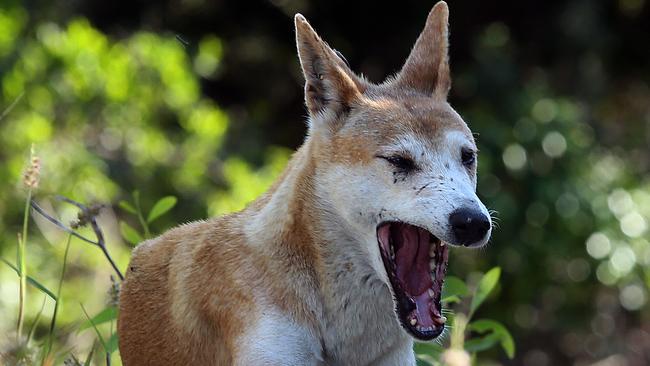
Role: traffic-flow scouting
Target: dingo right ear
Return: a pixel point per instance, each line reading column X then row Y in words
column 329, row 83
column 427, row 67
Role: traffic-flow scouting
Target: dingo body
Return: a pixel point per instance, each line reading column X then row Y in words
column 341, row 261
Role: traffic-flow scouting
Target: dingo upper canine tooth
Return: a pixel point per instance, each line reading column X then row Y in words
column 336, row 256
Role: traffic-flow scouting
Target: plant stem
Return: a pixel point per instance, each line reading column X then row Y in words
column 458, row 331
column 50, row 336
column 147, row 234
column 143, row 222
column 22, row 266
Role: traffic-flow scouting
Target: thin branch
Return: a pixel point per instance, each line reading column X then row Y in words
column 60, row 225
column 86, row 216
column 100, row 239
column 72, row 202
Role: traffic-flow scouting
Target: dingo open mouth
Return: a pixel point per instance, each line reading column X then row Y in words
column 416, row 262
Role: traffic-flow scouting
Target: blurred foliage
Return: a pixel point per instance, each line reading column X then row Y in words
column 203, row 101
column 107, row 115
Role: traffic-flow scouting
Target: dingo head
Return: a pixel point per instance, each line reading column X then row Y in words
column 398, row 165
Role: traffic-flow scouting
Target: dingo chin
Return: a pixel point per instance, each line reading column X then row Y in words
column 342, row 261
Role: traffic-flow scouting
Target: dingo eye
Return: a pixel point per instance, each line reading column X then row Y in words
column 468, row 157
column 403, row 164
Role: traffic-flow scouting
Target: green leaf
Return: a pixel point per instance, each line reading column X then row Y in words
column 481, row 343
column 484, row 287
column 451, row 299
column 111, row 345
column 106, row 315
column 161, row 207
column 126, row 206
column 425, row 360
column 31, row 280
column 453, row 289
column 499, row 331
column 99, row 335
column 35, row 323
column 427, row 348
column 427, row 353
column 129, row 233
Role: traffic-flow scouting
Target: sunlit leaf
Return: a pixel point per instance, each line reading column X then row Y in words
column 424, row 360
column 161, row 207
column 451, row 299
column 453, row 289
column 481, row 343
column 498, row 330
column 126, row 206
column 129, row 233
column 106, row 315
column 484, row 287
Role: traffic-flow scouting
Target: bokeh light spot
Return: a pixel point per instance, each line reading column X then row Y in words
column 632, row 297
column 207, row 60
column 598, row 245
column 623, row 260
column 554, row 144
column 620, row 202
column 633, row 225
column 514, row 157
column 604, row 275
column 544, row 110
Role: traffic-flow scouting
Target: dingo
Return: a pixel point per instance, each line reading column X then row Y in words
column 342, row 261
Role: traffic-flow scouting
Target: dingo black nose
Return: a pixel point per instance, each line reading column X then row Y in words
column 469, row 226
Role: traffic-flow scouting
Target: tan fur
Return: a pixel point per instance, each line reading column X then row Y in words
column 291, row 265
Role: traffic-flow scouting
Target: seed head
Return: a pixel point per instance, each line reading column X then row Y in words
column 33, row 171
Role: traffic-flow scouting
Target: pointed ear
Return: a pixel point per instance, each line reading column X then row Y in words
column 427, row 67
column 329, row 83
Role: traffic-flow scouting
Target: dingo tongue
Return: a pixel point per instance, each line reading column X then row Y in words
column 412, row 259
column 416, row 262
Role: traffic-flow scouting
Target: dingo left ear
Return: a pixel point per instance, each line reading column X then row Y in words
column 427, row 67
column 329, row 83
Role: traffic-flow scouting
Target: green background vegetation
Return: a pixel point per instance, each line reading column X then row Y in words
column 203, row 101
